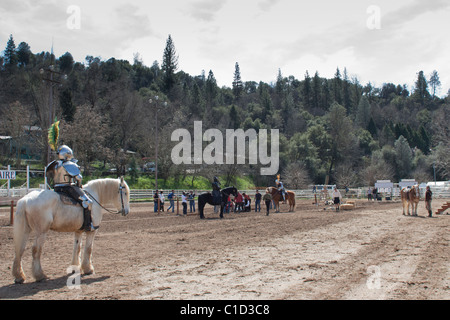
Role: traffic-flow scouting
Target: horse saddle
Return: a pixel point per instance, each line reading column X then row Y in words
column 67, row 199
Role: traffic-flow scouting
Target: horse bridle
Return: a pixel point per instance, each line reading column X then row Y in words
column 122, row 211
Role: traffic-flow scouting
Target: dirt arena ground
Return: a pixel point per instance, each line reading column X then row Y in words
column 373, row 252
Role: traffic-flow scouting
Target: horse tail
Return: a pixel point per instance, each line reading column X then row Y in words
column 201, row 205
column 291, row 198
column 21, row 231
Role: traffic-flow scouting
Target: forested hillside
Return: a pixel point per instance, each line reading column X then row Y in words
column 352, row 132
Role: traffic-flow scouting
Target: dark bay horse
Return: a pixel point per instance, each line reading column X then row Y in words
column 205, row 198
column 277, row 197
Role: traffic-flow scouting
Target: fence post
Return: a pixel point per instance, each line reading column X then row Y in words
column 9, row 182
column 28, row 179
column 11, row 214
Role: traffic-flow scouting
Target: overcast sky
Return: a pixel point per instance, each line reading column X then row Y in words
column 376, row 40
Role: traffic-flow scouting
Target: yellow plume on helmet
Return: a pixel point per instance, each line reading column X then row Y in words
column 53, row 135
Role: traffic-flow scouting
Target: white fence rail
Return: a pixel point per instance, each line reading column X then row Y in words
column 147, row 194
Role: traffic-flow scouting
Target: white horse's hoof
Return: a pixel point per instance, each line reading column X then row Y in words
column 88, row 271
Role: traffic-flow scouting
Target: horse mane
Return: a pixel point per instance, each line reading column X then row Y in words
column 228, row 188
column 105, row 188
column 95, row 184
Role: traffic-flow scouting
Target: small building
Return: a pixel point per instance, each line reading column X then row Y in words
column 384, row 188
column 384, row 185
column 407, row 183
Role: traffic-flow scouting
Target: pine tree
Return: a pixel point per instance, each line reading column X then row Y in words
column 234, row 121
column 265, row 101
column 421, row 93
column 66, row 63
column 316, row 85
column 10, row 55
column 337, row 86
column 403, row 158
column 363, row 112
column 169, row 65
column 346, row 92
column 237, row 82
column 211, row 89
column 279, row 86
column 425, row 138
column 435, row 82
column 67, row 106
column 372, row 128
column 23, row 54
column 326, row 97
column 307, row 92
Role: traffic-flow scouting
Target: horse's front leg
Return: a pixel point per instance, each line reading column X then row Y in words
column 76, row 250
column 221, row 210
column 36, row 267
column 86, row 265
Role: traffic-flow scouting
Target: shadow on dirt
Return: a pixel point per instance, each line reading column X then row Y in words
column 28, row 289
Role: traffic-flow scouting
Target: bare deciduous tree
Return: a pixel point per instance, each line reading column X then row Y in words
column 17, row 123
column 86, row 135
column 295, row 176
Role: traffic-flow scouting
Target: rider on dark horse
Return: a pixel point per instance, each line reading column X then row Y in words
column 216, row 195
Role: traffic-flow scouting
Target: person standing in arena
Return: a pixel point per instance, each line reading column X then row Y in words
column 268, row 200
column 337, row 197
column 428, row 199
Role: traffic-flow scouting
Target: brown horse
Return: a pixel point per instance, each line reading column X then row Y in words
column 277, row 197
column 410, row 196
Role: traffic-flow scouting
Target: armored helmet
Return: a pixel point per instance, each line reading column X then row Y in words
column 65, row 153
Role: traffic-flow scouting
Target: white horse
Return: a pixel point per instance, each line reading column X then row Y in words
column 41, row 211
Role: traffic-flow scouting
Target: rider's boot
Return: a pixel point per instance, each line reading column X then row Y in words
column 88, row 226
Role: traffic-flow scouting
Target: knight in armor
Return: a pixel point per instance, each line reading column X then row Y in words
column 67, row 179
column 216, row 191
column 280, row 187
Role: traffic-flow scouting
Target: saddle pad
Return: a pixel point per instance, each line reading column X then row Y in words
column 67, row 200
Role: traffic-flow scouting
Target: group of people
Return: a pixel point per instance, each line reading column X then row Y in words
column 372, row 194
column 186, row 197
column 240, row 203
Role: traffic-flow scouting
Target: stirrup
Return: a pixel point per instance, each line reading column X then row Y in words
column 90, row 228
